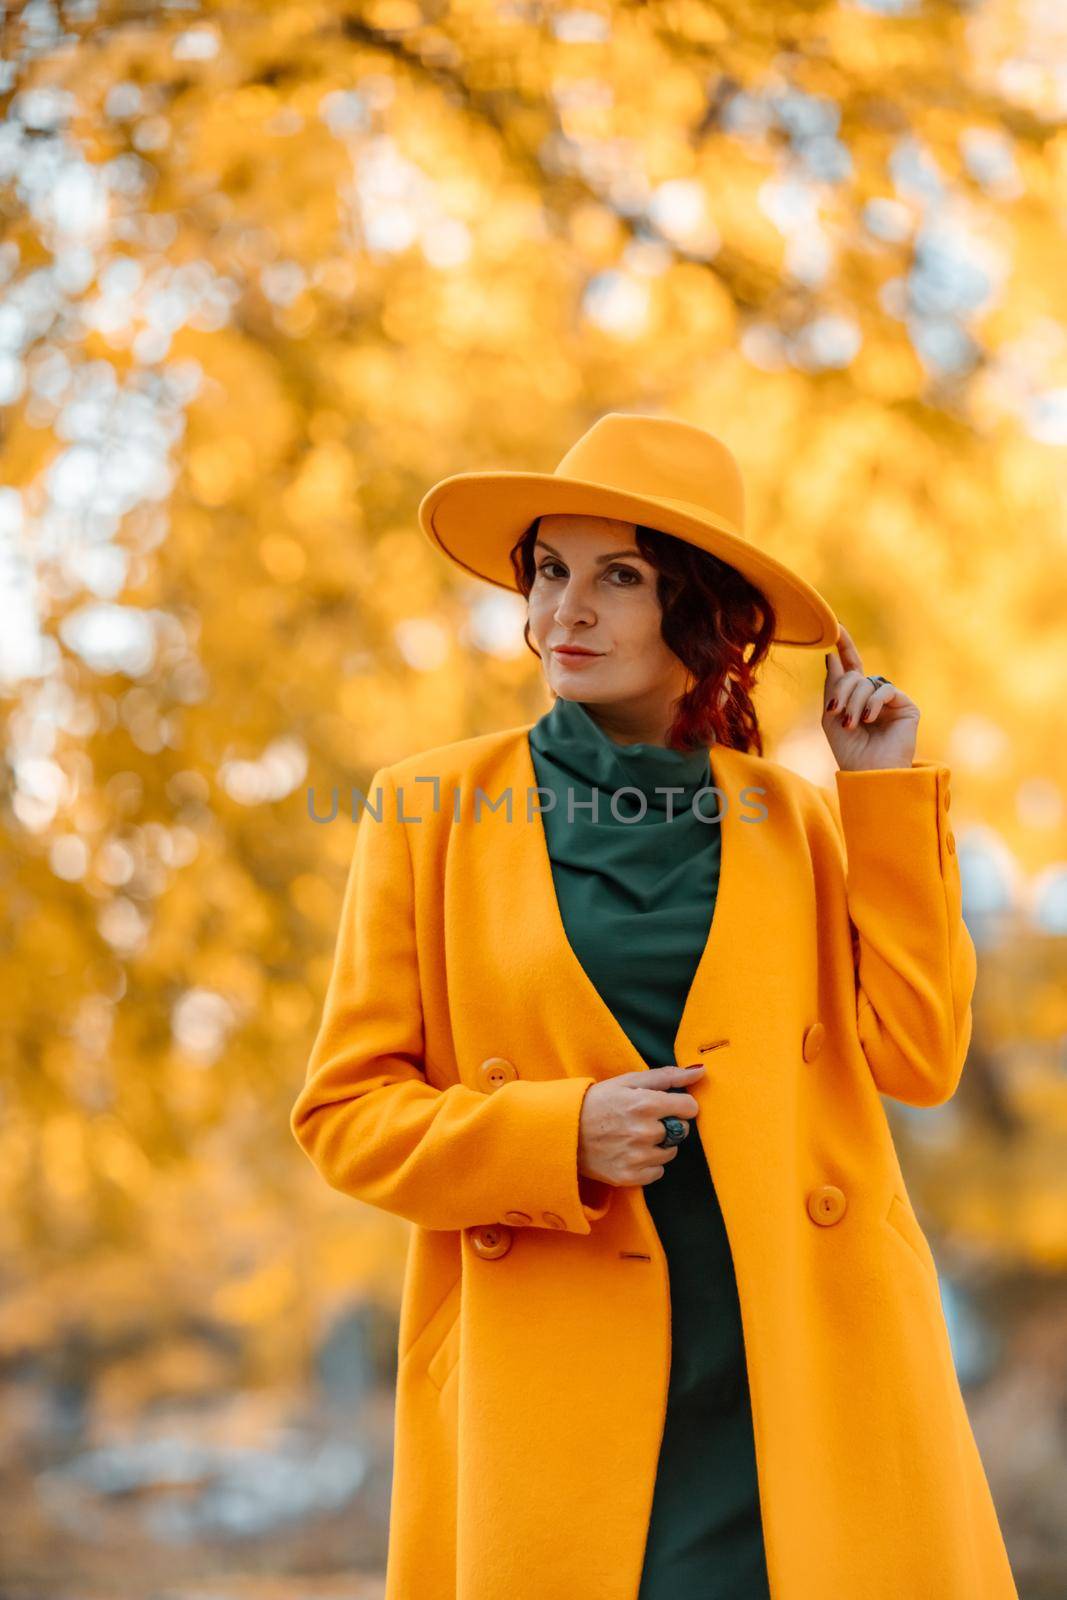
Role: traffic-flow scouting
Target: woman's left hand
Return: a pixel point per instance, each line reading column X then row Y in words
column 867, row 727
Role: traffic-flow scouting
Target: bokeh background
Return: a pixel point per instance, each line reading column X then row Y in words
column 270, row 270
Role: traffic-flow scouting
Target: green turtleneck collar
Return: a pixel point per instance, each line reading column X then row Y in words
column 575, row 741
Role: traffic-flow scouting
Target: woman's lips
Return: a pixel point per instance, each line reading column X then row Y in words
column 576, row 655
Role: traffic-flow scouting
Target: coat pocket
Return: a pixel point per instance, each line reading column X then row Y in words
column 904, row 1223
column 439, row 1368
column 436, row 1347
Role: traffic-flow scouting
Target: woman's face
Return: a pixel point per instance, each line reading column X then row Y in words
column 593, row 588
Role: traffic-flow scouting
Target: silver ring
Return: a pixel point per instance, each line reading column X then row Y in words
column 876, row 679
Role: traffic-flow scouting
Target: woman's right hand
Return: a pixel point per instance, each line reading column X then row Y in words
column 620, row 1127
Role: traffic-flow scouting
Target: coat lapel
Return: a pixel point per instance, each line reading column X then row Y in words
column 515, row 856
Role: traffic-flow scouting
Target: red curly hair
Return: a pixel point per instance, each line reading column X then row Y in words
column 712, row 614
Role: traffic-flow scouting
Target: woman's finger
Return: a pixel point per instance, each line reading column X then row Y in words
column 840, row 691
column 846, row 649
column 858, row 697
column 881, row 697
column 834, row 672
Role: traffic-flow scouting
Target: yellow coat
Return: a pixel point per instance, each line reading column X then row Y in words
column 459, row 1036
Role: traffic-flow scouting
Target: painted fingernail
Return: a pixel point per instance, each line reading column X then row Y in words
column 830, row 704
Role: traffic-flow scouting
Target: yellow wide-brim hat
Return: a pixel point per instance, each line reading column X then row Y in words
column 659, row 471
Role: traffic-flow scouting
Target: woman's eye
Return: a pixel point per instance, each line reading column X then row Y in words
column 629, row 576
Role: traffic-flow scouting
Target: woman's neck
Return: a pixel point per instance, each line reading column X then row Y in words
column 644, row 720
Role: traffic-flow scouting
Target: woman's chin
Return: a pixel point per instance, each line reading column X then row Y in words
column 578, row 671
column 573, row 686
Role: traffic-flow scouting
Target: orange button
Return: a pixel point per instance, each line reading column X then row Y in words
column 490, row 1241
column 519, row 1218
column 494, row 1071
column 950, row 841
column 552, row 1220
column 826, row 1204
column 813, row 1040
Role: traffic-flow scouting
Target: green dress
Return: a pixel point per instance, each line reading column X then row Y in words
column 636, row 899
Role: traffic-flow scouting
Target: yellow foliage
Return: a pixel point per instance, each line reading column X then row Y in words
column 331, row 257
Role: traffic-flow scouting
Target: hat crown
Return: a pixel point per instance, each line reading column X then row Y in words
column 661, row 457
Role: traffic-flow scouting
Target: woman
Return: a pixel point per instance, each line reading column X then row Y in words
column 669, row 1322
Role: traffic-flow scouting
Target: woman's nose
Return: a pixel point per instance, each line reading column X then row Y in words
column 573, row 607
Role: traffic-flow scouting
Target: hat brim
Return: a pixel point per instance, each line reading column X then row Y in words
column 474, row 518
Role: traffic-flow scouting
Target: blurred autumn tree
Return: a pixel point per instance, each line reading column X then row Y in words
column 271, row 270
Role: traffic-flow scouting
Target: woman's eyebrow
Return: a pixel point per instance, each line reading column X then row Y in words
column 614, row 556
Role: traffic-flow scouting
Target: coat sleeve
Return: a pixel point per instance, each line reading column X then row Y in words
column 914, row 959
column 367, row 1117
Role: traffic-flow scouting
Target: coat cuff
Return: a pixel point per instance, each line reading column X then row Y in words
column 545, row 1188
column 594, row 1195
column 898, row 803
column 914, row 957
